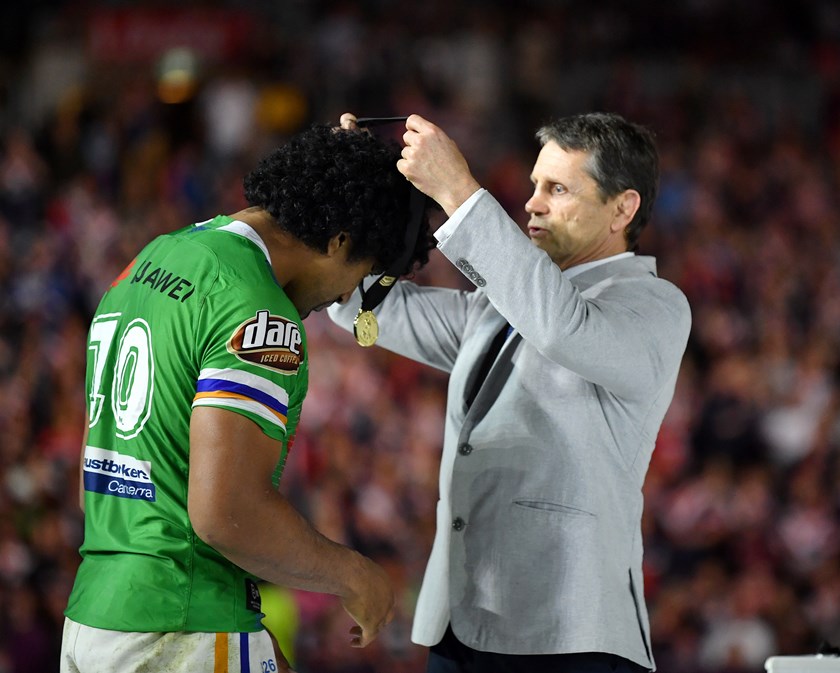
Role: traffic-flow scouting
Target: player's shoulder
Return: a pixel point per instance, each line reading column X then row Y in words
column 234, row 245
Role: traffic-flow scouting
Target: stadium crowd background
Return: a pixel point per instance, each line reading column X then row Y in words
column 120, row 121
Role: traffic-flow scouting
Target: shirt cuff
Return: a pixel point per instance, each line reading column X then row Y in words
column 448, row 228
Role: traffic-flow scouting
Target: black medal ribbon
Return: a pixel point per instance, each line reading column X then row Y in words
column 365, row 326
column 367, row 122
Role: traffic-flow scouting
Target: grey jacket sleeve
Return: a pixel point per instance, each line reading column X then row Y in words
column 425, row 324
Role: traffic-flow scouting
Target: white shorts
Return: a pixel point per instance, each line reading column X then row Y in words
column 85, row 649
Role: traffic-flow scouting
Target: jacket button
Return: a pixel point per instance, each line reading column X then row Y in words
column 465, row 449
column 458, row 523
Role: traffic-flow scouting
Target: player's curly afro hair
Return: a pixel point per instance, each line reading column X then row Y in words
column 324, row 181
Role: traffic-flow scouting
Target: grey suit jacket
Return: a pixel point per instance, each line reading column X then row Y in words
column 538, row 546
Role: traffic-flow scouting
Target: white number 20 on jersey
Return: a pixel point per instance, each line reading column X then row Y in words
column 133, row 379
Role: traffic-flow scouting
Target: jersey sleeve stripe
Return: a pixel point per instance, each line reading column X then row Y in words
column 233, row 401
column 247, row 379
column 211, row 386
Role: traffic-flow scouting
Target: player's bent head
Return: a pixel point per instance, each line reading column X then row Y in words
column 324, row 181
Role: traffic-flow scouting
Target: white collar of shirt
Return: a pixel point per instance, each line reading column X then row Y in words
column 452, row 223
column 247, row 231
column 580, row 268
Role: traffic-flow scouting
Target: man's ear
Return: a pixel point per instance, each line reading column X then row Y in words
column 626, row 206
column 337, row 242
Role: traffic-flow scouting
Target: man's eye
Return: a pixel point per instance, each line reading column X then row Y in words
column 559, row 189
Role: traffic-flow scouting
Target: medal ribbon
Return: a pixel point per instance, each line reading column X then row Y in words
column 373, row 296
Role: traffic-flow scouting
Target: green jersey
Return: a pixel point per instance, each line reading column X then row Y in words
column 197, row 319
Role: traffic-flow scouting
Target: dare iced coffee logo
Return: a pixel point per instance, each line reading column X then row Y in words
column 268, row 341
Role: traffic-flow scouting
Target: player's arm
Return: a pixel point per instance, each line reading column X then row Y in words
column 234, row 508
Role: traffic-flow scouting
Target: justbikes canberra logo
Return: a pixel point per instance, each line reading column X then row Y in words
column 269, row 341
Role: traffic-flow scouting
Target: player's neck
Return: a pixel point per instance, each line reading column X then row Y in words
column 288, row 255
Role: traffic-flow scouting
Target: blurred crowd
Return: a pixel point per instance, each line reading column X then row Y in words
column 119, row 122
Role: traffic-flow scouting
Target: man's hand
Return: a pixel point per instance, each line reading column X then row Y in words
column 434, row 164
column 372, row 603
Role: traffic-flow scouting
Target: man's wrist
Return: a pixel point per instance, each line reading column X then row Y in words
column 459, row 196
column 451, row 224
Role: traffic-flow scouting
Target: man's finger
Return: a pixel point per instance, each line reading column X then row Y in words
column 417, row 123
column 402, row 167
column 410, row 138
column 363, row 637
column 358, row 637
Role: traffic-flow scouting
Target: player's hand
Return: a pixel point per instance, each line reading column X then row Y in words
column 371, row 604
column 435, row 165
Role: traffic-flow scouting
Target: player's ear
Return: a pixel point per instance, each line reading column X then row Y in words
column 337, row 242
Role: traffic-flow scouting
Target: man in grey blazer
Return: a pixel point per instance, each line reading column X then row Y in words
column 537, row 559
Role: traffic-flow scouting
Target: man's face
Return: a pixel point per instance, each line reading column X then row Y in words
column 569, row 219
column 331, row 279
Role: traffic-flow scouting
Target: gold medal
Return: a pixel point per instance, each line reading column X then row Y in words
column 365, row 328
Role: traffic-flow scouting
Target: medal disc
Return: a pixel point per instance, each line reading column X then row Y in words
column 365, row 328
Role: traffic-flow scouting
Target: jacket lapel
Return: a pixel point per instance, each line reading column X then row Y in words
column 497, row 375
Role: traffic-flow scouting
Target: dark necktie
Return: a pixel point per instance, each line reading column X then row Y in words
column 487, row 362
